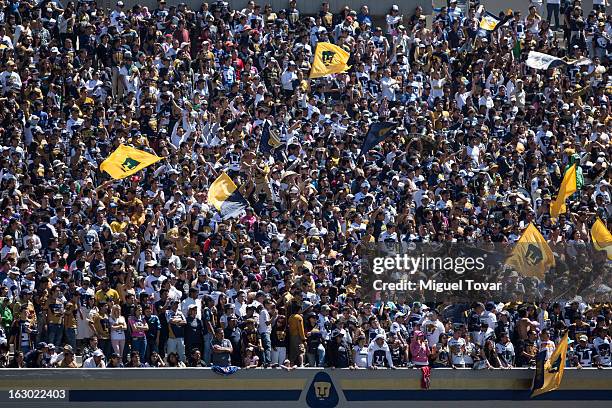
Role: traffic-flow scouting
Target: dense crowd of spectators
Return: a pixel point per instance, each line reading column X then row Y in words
column 143, row 271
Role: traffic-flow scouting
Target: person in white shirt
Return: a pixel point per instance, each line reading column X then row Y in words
column 393, row 19
column 389, row 86
column 485, row 333
column 117, row 15
column 601, row 343
column 5, row 39
column 457, row 349
column 488, row 316
column 240, row 304
column 192, row 299
column 505, row 350
column 437, row 85
column 546, row 344
column 360, row 352
column 10, row 79
column 8, row 248
column 323, row 320
column 264, row 329
column 95, row 361
column 12, row 283
column 289, row 77
column 433, row 327
column 379, row 354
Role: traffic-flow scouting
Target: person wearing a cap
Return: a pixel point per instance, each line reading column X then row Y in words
column 106, row 293
column 117, row 14
column 584, row 353
column 114, row 361
column 37, row 358
column 67, row 358
column 10, row 78
column 339, row 351
column 432, row 327
column 12, row 284
column 393, row 19
column 419, row 349
column 96, row 360
column 194, row 331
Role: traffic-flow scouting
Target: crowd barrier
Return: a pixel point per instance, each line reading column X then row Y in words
column 313, row 388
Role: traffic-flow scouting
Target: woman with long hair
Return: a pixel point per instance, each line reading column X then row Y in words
column 279, row 341
column 18, row 361
column 118, row 328
column 174, row 362
column 440, row 352
column 491, row 354
column 139, row 326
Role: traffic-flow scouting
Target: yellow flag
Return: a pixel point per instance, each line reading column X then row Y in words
column 568, row 187
column 223, row 194
column 601, row 237
column 531, row 256
column 489, row 21
column 126, row 161
column 549, row 373
column 328, row 59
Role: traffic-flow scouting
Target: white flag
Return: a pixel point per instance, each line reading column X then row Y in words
column 539, row 60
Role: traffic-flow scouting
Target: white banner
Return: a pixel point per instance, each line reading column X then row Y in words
column 538, row 60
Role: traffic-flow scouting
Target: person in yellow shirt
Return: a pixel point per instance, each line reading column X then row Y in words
column 100, row 325
column 84, row 99
column 352, row 287
column 119, row 224
column 297, row 337
column 301, row 262
column 70, row 318
column 54, row 308
column 138, row 216
column 106, row 293
column 26, row 299
column 438, row 115
column 132, row 201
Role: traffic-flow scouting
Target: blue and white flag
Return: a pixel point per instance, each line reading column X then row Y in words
column 229, row 370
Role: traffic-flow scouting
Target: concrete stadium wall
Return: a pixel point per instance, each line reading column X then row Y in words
column 303, row 388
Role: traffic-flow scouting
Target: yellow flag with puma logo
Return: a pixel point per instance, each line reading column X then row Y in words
column 126, row 160
column 531, row 255
column 329, row 59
